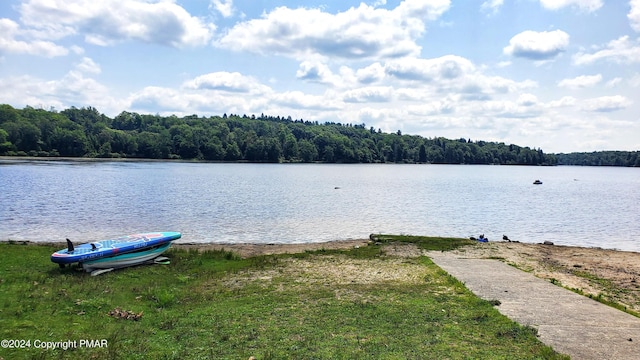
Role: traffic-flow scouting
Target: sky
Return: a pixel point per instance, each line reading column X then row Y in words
column 561, row 75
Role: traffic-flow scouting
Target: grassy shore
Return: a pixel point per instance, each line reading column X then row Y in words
column 360, row 303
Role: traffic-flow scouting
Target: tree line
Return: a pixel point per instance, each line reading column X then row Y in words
column 601, row 158
column 85, row 132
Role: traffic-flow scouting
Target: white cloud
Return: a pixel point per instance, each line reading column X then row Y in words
column 427, row 86
column 417, row 69
column 433, row 107
column 186, row 101
column 371, row 74
column 564, row 102
column 28, row 90
column 580, row 82
column 584, row 5
column 370, row 94
column 231, row 82
column 621, row 50
column 108, row 21
column 88, row 66
column 527, row 100
column 226, row 92
column 300, row 100
column 606, row 103
column 430, row 10
column 362, row 32
column 9, row 30
column 447, row 75
column 77, row 49
column 224, row 7
column 525, row 107
column 73, row 89
column 316, row 72
column 535, row 45
column 613, row 82
column 159, row 98
column 634, row 14
column 491, row 6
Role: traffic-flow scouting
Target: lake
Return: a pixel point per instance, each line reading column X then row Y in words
column 298, row 203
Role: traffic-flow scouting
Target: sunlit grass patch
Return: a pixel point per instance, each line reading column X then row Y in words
column 425, row 242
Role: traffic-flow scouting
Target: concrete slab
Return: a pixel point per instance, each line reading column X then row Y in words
column 570, row 323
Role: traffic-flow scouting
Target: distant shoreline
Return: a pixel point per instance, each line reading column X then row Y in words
column 278, row 248
column 196, row 161
column 89, row 159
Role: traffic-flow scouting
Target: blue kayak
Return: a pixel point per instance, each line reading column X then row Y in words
column 112, row 247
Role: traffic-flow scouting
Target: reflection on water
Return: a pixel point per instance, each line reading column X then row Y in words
column 295, row 203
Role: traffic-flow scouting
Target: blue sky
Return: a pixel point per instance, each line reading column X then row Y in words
column 563, row 75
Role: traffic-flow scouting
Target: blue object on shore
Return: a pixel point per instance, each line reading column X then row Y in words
column 147, row 255
column 112, row 247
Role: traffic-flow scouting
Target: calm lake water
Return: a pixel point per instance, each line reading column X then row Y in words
column 298, row 203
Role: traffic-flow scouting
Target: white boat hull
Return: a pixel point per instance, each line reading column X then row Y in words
column 126, row 260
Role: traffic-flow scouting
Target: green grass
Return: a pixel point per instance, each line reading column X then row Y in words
column 426, row 242
column 215, row 305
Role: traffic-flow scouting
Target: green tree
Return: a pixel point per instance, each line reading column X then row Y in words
column 273, row 150
column 308, row 151
column 23, row 134
column 212, row 149
column 184, row 142
column 5, row 144
column 71, row 143
column 290, row 149
column 422, row 157
column 232, row 151
column 153, row 145
column 8, row 114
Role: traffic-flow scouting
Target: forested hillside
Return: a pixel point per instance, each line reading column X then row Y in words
column 86, row 132
column 601, row 158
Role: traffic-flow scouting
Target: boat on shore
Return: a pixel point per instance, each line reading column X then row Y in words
column 124, row 251
column 148, row 255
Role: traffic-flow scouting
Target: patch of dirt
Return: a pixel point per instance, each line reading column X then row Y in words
column 400, row 268
column 613, row 274
column 340, row 270
column 405, row 250
column 250, row 250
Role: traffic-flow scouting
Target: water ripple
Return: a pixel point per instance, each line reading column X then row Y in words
column 271, row 203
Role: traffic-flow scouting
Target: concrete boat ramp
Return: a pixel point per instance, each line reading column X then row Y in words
column 570, row 323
